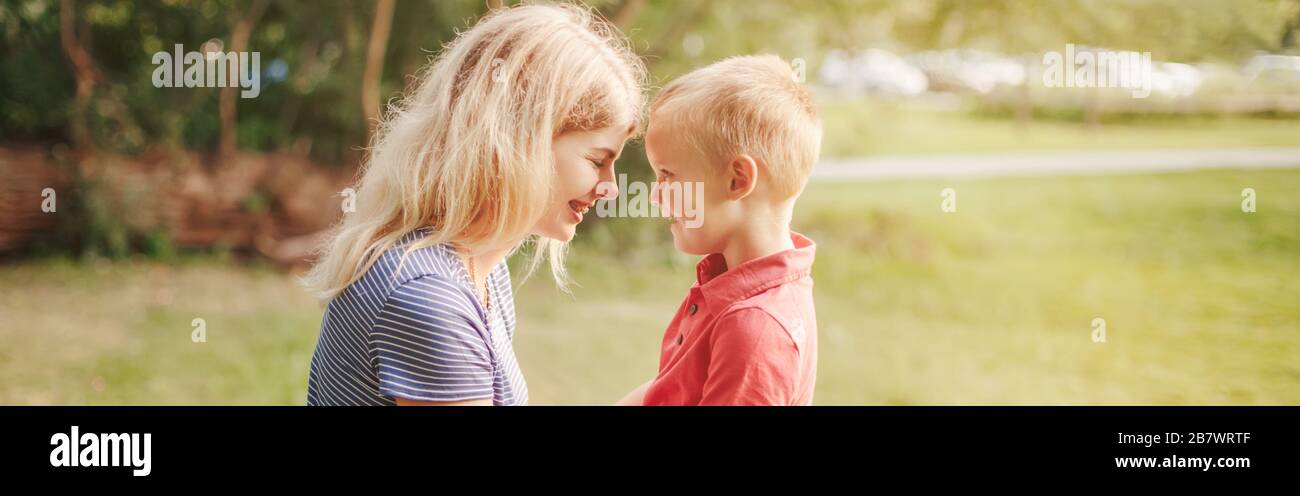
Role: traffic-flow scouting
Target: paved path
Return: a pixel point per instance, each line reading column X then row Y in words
column 1053, row 163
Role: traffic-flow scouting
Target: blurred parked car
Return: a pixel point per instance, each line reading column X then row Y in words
column 872, row 71
column 1271, row 73
column 963, row 70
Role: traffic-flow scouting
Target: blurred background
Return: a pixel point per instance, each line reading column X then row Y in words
column 181, row 208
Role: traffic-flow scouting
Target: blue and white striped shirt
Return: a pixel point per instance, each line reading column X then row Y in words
column 422, row 335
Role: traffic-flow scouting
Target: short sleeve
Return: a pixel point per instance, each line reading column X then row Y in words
column 753, row 361
column 430, row 345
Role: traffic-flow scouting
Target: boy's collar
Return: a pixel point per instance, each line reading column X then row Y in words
column 722, row 286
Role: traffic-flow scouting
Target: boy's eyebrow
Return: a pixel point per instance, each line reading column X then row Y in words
column 609, row 153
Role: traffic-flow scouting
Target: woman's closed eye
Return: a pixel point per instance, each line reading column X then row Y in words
column 601, row 157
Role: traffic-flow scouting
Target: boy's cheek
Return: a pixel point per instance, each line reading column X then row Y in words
column 679, row 199
column 665, row 203
column 690, row 241
column 693, row 207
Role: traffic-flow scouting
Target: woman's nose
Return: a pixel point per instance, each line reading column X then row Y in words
column 607, row 189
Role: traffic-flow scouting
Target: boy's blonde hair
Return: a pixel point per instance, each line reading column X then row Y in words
column 751, row 105
column 468, row 153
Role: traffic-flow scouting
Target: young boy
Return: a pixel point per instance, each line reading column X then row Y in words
column 748, row 133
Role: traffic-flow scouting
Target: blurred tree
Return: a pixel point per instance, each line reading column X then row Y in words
column 329, row 67
column 244, row 21
column 379, row 31
column 75, row 36
column 319, row 55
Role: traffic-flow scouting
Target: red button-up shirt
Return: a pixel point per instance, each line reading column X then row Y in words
column 744, row 336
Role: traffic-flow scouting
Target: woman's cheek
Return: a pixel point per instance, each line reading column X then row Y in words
column 564, row 173
column 578, row 179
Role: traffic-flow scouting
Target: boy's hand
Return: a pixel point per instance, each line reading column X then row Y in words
column 636, row 397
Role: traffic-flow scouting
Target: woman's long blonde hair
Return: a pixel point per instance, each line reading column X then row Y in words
column 468, row 153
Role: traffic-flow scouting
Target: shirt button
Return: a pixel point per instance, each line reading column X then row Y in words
column 679, row 340
column 692, row 309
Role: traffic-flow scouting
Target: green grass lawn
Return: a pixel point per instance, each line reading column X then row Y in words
column 859, row 127
column 991, row 304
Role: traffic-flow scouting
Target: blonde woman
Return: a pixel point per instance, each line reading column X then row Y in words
column 504, row 141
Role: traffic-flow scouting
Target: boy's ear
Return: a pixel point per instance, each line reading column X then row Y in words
column 744, row 176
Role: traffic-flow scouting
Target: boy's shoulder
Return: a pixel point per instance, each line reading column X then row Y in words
column 786, row 309
column 769, row 295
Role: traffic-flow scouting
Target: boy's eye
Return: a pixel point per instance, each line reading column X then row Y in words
column 597, row 163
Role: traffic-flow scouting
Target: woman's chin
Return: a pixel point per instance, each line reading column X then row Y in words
column 564, row 233
column 568, row 234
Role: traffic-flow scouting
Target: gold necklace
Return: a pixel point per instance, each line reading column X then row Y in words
column 473, row 281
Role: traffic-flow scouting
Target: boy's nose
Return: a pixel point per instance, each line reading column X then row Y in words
column 661, row 197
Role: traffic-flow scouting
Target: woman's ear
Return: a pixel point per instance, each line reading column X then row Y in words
column 744, row 176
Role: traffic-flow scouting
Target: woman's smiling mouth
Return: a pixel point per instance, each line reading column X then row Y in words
column 578, row 208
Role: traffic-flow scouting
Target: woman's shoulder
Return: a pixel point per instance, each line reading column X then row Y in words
column 410, row 260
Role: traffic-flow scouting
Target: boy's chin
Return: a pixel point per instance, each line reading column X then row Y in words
column 685, row 245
